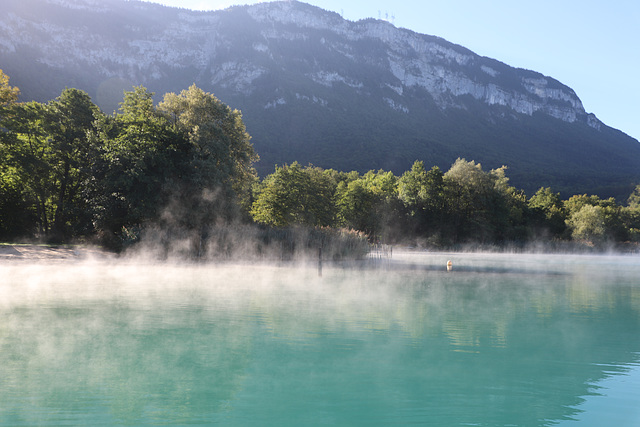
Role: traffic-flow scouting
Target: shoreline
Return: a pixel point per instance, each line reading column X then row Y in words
column 35, row 252
column 28, row 252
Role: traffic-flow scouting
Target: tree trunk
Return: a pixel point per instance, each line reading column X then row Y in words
column 60, row 215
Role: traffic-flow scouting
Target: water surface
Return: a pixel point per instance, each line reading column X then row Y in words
column 500, row 340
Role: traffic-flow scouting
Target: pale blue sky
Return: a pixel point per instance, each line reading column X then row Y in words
column 592, row 46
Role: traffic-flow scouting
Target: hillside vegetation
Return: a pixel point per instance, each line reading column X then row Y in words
column 182, row 170
column 318, row 89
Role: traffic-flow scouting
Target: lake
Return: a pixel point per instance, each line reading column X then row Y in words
column 501, row 340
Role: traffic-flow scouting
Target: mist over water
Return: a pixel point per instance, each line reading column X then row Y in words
column 499, row 340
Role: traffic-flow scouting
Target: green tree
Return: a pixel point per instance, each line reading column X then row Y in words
column 578, row 201
column 293, row 195
column 466, row 185
column 185, row 165
column 8, row 94
column 582, row 222
column 471, row 198
column 482, row 206
column 413, row 187
column 322, row 187
column 422, row 194
column 357, row 207
column 47, row 149
column 631, row 215
column 69, row 123
column 16, row 216
column 370, row 204
column 511, row 210
column 547, row 212
column 221, row 153
column 588, row 223
column 140, row 156
column 26, row 154
column 634, row 198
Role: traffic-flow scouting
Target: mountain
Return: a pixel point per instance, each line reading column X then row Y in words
column 317, row 88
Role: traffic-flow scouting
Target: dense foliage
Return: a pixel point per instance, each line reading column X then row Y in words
column 464, row 205
column 68, row 171
column 323, row 96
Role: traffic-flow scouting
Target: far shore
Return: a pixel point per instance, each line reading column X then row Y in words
column 29, row 252
column 34, row 252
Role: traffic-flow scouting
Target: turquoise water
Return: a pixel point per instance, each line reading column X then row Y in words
column 502, row 340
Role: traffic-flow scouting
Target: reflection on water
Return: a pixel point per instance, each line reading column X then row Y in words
column 500, row 340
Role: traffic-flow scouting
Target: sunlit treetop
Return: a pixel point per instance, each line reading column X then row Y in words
column 8, row 94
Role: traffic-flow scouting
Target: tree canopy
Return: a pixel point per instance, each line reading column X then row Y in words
column 72, row 171
column 8, row 94
column 294, row 195
column 69, row 171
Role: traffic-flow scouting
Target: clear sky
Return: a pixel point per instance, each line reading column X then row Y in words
column 592, row 46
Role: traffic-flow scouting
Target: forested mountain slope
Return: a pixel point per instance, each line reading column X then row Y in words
column 316, row 88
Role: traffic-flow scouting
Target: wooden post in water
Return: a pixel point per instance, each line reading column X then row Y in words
column 320, row 261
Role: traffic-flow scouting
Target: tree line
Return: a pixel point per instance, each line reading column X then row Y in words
column 463, row 205
column 71, row 172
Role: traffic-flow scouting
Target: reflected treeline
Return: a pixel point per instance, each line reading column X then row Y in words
column 241, row 344
column 119, row 364
column 508, row 347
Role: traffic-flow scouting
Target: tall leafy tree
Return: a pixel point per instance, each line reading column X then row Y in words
column 547, row 212
column 221, row 152
column 412, row 188
column 481, row 205
column 631, row 214
column 48, row 150
column 469, row 191
column 634, row 198
column 17, row 216
column 510, row 209
column 588, row 223
column 357, row 207
column 27, row 159
column 8, row 94
column 140, row 156
column 185, row 164
column 422, row 194
column 293, row 195
column 370, row 204
column 69, row 124
column 609, row 211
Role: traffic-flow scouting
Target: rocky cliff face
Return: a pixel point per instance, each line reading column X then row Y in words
column 62, row 34
column 444, row 70
column 317, row 88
